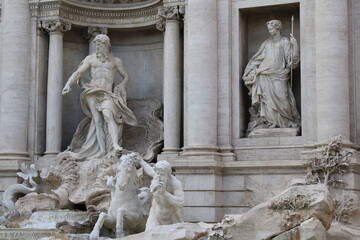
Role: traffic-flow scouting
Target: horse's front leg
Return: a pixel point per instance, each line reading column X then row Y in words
column 120, row 222
column 94, row 235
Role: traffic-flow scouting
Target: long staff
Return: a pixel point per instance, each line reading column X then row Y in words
column 292, row 55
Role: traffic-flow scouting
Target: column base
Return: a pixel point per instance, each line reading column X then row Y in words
column 167, row 155
column 201, row 151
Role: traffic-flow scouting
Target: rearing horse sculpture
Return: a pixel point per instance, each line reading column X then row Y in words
column 126, row 214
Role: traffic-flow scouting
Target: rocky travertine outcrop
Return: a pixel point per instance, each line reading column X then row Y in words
column 311, row 229
column 279, row 214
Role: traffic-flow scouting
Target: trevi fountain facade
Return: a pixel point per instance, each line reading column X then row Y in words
column 180, row 119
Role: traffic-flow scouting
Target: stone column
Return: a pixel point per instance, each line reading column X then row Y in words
column 202, row 78
column 332, row 69
column 56, row 29
column 172, row 91
column 14, row 84
column 92, row 32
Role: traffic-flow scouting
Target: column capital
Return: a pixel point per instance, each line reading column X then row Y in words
column 169, row 13
column 56, row 26
column 92, row 32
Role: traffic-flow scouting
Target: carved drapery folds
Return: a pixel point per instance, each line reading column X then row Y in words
column 169, row 13
column 56, row 26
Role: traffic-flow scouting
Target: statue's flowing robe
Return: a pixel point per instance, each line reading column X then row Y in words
column 270, row 90
column 85, row 143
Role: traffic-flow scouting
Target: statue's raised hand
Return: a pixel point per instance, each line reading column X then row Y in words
column 66, row 90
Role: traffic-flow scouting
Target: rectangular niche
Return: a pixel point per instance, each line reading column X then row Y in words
column 252, row 33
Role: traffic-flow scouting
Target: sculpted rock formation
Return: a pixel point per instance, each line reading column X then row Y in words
column 178, row 231
column 281, row 213
column 267, row 77
column 311, row 229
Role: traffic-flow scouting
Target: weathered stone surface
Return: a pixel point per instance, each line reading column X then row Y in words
column 311, row 229
column 283, row 212
column 179, row 231
column 340, row 231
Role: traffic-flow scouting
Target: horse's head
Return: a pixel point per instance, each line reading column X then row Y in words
column 126, row 173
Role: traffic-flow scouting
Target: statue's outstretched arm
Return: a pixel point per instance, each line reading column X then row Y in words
column 147, row 168
column 84, row 66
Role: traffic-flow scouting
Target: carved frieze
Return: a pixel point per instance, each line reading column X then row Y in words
column 116, row 1
column 85, row 14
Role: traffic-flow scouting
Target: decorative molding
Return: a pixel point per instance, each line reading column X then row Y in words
column 115, row 1
column 86, row 15
column 169, row 13
column 172, row 2
column 56, row 26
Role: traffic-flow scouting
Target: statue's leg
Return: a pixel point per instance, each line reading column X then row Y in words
column 120, row 222
column 135, row 220
column 113, row 129
column 100, row 135
column 94, row 235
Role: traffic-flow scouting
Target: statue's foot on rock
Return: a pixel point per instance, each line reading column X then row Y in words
column 272, row 126
column 100, row 154
column 117, row 148
column 120, row 234
column 94, row 235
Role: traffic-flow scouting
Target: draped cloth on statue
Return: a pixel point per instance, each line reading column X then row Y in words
column 266, row 77
column 85, row 143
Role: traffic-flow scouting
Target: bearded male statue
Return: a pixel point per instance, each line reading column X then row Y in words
column 267, row 78
column 167, row 192
column 104, row 105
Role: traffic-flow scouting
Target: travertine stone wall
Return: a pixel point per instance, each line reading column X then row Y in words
column 76, row 49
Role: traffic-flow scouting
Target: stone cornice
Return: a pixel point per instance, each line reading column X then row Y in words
column 85, row 14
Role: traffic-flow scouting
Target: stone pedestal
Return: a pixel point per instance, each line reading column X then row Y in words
column 56, row 30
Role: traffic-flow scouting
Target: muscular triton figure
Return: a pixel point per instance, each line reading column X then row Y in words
column 104, row 105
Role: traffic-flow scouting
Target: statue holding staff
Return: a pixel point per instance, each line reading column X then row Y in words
column 267, row 77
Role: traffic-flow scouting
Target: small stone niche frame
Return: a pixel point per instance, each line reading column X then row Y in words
column 251, row 32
